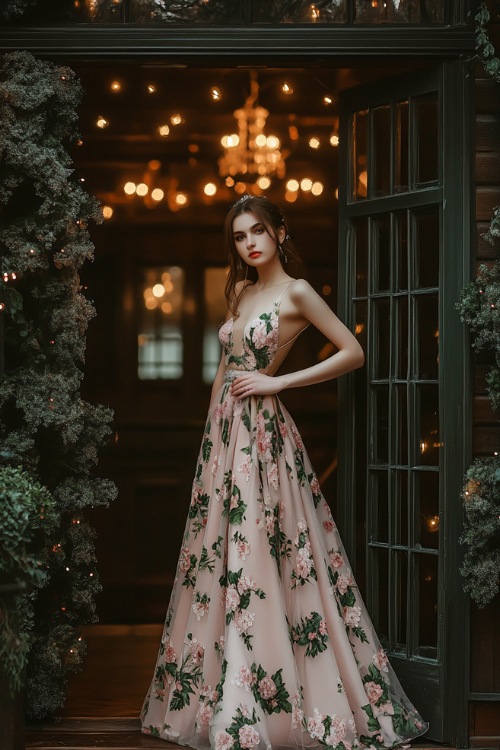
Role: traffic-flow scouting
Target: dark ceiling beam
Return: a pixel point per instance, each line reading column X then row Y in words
column 255, row 46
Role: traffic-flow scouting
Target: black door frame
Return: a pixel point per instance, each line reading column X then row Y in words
column 456, row 123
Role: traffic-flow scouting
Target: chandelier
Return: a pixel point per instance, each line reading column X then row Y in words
column 250, row 152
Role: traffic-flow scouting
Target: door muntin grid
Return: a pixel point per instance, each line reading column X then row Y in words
column 394, row 256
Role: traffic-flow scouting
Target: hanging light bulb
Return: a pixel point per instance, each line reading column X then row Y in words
column 101, row 122
column 129, row 188
column 176, row 119
column 157, row 194
column 151, row 88
column 215, row 93
column 142, row 189
column 210, row 189
column 334, row 139
column 115, row 87
column 286, row 88
column 163, row 130
column 327, row 100
column 314, row 142
column 292, row 186
column 107, row 212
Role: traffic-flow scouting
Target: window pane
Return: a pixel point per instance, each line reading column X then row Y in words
column 382, row 254
column 381, row 183
column 401, row 147
column 299, row 11
column 400, row 305
column 427, row 242
column 184, row 11
column 359, row 155
column 360, row 229
column 428, row 428
column 427, row 572
column 425, row 109
column 395, row 11
column 380, row 603
column 378, row 499
column 380, row 425
column 160, row 342
column 400, row 506
column 215, row 308
column 381, row 312
column 426, row 310
column 427, row 505
column 402, row 251
column 401, row 425
column 400, row 573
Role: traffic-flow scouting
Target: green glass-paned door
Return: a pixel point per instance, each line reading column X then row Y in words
column 391, row 213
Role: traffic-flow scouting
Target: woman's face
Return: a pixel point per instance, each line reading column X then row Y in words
column 253, row 242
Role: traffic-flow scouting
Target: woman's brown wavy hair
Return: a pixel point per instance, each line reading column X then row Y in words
column 272, row 218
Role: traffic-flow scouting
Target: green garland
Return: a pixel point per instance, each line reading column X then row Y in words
column 44, row 423
column 479, row 307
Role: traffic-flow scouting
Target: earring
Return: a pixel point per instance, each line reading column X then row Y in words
column 282, row 255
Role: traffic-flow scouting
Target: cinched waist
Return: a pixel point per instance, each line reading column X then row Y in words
column 230, row 375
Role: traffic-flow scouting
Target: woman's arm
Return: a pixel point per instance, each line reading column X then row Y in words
column 313, row 308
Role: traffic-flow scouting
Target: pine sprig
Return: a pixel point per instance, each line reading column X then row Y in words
column 44, row 423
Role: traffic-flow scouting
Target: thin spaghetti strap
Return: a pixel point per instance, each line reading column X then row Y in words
column 293, row 337
column 277, row 303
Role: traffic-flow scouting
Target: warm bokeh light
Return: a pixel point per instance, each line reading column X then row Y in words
column 229, row 181
column 240, row 187
column 107, row 212
column 193, row 148
column 327, row 100
column 292, row 185
column 116, row 86
column 317, row 188
column 334, row 139
column 101, row 122
column 129, row 188
column 181, row 199
column 261, row 140
column 290, row 196
column 263, row 182
column 273, row 141
column 306, row 184
column 293, row 133
column 314, row 142
column 176, row 119
column 286, row 88
column 363, row 178
column 215, row 93
column 157, row 195
column 230, row 141
column 327, row 290
column 158, row 290
column 142, row 189
column 154, row 165
column 151, row 303
column 166, row 307
column 151, row 88
column 336, row 193
column 164, row 130
column 210, row 189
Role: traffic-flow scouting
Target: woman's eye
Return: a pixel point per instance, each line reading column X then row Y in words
column 259, row 230
column 238, row 238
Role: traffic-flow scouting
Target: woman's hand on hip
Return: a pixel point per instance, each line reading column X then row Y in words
column 255, row 384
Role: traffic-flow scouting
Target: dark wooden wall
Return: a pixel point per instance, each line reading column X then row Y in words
column 484, row 713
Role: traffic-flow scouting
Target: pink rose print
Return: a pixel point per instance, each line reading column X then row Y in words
column 260, row 335
column 248, row 737
column 204, row 714
column 218, row 413
column 272, row 476
column 244, row 679
column 297, row 716
column 170, row 655
column 315, row 488
column 283, row 430
column 223, row 741
column 343, row 583
column 297, row 438
column 243, row 549
column 352, row 616
column 232, row 599
column 337, row 731
column 195, row 494
column 270, row 523
column 315, row 725
column 267, row 688
column 184, row 559
column 380, row 660
column 243, row 621
column 244, row 467
column 373, row 691
column 336, row 559
column 322, row 628
column 197, row 651
column 215, row 465
column 328, row 526
column 245, row 583
column 200, row 609
column 303, row 564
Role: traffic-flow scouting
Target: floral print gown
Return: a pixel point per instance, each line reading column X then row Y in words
column 267, row 642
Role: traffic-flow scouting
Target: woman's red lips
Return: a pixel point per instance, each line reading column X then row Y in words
column 255, row 254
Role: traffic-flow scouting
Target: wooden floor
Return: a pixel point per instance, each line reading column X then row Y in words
column 105, row 699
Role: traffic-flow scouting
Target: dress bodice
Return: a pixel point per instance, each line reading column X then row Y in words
column 259, row 344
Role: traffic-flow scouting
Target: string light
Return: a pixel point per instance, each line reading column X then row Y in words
column 154, row 165
column 290, row 196
column 107, row 212
column 210, row 189
column 264, row 182
column 101, row 122
column 163, row 130
column 315, row 13
column 157, row 194
column 116, row 87
column 230, row 141
column 314, row 142
column 292, row 186
column 306, row 184
column 176, row 119
column 287, row 89
column 327, row 100
column 334, row 139
column 151, row 88
column 215, row 93
column 240, row 187
column 229, row 181
column 181, row 199
column 129, row 188
column 317, row 188
column 142, row 189
column 293, row 133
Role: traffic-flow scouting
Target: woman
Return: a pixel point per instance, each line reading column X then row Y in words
column 267, row 643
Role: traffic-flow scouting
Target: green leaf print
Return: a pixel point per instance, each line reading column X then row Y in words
column 374, row 676
column 373, row 723
column 154, row 731
column 245, row 418
column 225, row 432
column 299, row 465
column 190, row 575
column 216, row 546
column 206, row 562
column 206, row 449
column 184, row 682
column 234, row 507
column 311, row 632
column 372, row 742
column 360, row 633
column 402, row 722
column 238, row 721
column 270, row 691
